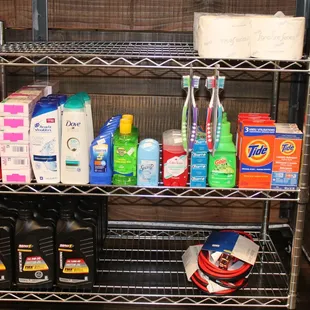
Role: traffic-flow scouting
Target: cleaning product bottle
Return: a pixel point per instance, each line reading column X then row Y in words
column 7, row 224
column 34, row 249
column 45, row 142
column 175, row 162
column 89, row 115
column 125, row 155
column 222, row 166
column 224, row 119
column 75, row 147
column 148, row 163
column 75, row 243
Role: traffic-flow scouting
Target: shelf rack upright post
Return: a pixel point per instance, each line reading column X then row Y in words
column 303, row 200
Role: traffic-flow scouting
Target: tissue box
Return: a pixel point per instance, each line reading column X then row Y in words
column 20, row 134
column 249, row 35
column 7, row 122
column 17, row 176
column 224, row 36
column 15, row 163
column 14, row 150
column 21, row 106
column 48, row 87
column 31, row 91
column 277, row 37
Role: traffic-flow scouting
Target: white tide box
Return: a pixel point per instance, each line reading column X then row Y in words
column 17, row 175
column 14, row 150
column 15, row 163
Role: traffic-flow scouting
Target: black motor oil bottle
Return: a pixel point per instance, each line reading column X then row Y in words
column 75, row 242
column 7, row 225
column 34, row 250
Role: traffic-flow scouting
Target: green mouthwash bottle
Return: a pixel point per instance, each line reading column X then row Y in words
column 222, row 166
column 125, row 155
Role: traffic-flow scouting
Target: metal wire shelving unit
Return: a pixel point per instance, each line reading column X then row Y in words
column 140, row 266
column 150, row 192
column 144, row 266
column 169, row 55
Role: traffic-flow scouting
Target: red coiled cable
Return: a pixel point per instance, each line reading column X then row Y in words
column 232, row 280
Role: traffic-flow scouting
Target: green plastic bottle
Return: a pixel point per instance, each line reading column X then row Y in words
column 222, row 166
column 125, row 155
column 224, row 120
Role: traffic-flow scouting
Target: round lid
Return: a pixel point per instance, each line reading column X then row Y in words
column 125, row 126
column 129, row 117
column 74, row 102
column 83, row 95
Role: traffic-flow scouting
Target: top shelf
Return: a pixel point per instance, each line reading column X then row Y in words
column 164, row 55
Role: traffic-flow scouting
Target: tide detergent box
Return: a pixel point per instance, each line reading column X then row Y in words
column 248, row 116
column 256, row 153
column 286, row 161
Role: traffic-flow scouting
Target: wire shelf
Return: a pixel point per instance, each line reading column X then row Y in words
column 165, row 55
column 150, row 192
column 140, row 266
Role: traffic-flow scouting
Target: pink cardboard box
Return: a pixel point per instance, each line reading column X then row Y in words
column 17, row 176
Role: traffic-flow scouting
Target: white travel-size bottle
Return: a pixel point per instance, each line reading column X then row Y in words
column 45, row 142
column 75, row 143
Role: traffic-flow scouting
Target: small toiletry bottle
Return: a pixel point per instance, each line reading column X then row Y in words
column 125, row 147
column 175, row 162
column 222, row 166
column 148, row 163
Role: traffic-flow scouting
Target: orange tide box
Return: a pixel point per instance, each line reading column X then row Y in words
column 256, row 153
column 248, row 116
column 286, row 161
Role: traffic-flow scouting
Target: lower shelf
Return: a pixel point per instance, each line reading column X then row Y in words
column 145, row 267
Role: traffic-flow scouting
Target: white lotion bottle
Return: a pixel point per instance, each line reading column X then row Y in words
column 45, row 142
column 75, row 143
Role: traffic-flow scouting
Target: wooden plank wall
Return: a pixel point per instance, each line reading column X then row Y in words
column 154, row 96
column 133, row 15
